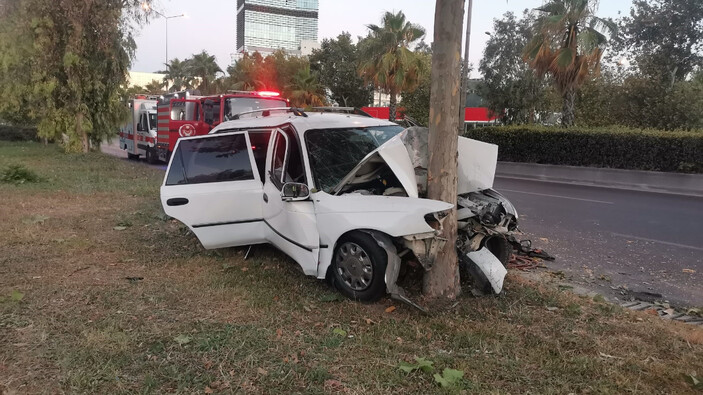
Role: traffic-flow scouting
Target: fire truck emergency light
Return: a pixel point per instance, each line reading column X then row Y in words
column 269, row 94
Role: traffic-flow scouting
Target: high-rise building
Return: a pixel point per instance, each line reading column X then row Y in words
column 266, row 25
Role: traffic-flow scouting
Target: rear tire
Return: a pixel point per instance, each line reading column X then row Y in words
column 359, row 267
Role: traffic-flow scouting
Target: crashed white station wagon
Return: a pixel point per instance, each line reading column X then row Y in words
column 341, row 194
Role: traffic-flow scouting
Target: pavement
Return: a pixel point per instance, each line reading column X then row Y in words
column 621, row 243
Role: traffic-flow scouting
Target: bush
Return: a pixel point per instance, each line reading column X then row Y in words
column 18, row 174
column 614, row 147
column 16, row 133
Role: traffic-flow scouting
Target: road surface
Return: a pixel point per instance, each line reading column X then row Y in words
column 612, row 240
column 609, row 240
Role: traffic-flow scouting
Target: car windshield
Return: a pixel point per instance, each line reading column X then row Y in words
column 333, row 153
column 238, row 105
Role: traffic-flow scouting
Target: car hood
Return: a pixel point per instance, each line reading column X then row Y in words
column 407, row 155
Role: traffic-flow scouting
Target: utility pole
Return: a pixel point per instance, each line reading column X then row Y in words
column 465, row 71
column 148, row 8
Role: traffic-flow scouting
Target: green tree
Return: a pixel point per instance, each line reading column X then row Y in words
column 178, row 75
column 305, row 90
column 203, row 66
column 510, row 87
column 568, row 44
column 665, row 38
column 386, row 58
column 336, row 62
column 64, row 63
column 416, row 104
column 155, row 87
column 243, row 73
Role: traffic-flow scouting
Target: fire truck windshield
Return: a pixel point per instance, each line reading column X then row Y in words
column 238, row 105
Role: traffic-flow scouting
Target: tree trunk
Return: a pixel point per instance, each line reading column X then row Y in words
column 392, row 106
column 567, row 116
column 442, row 281
column 80, row 132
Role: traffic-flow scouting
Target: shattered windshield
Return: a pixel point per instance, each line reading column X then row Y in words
column 333, row 153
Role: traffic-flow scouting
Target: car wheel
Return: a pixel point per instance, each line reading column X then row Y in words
column 151, row 157
column 359, row 267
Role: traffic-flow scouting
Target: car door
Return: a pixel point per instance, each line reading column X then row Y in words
column 291, row 225
column 212, row 185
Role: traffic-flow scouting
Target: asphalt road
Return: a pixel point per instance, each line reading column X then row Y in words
column 612, row 240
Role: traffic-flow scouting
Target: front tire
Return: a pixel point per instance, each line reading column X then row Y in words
column 359, row 267
column 151, row 157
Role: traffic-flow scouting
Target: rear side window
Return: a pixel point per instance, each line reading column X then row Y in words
column 211, row 159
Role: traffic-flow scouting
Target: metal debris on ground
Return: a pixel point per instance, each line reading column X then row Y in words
column 524, row 263
column 662, row 310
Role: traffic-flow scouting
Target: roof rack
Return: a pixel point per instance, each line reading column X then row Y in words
column 265, row 112
column 342, row 110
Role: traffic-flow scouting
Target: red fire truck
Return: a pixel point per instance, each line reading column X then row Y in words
column 185, row 114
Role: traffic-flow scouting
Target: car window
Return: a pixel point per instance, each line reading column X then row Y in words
column 279, row 158
column 211, row 159
column 295, row 170
column 333, row 153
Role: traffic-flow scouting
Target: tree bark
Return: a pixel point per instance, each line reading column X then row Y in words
column 80, row 131
column 392, row 106
column 569, row 102
column 442, row 280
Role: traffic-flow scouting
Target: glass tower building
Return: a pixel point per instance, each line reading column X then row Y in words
column 266, row 25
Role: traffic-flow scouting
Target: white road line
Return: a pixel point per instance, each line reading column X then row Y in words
column 555, row 196
column 657, row 241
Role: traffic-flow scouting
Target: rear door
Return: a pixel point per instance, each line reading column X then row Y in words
column 213, row 186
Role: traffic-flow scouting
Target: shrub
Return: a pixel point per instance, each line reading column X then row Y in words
column 18, row 174
column 16, row 133
column 614, row 147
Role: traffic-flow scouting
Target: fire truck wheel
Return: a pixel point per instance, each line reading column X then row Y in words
column 151, row 156
column 132, row 156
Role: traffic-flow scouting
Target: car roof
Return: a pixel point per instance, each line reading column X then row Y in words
column 314, row 120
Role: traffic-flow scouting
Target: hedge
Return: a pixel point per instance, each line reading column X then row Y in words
column 17, row 133
column 616, row 147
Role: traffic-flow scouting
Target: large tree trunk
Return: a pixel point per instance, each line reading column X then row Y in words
column 442, row 281
column 569, row 102
column 393, row 105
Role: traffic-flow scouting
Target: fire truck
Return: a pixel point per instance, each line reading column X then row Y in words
column 138, row 135
column 186, row 114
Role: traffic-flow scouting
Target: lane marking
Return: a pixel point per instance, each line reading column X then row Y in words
column 557, row 196
column 657, row 241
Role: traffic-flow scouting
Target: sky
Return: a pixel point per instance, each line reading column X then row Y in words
column 210, row 25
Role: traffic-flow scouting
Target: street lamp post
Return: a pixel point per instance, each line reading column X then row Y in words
column 148, row 8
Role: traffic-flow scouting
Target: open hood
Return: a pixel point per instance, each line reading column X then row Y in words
column 407, row 156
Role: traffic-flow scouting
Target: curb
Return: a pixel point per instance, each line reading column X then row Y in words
column 634, row 180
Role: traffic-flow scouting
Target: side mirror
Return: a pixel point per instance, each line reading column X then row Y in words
column 294, row 191
column 209, row 112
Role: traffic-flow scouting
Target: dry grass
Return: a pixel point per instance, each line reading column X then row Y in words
column 209, row 321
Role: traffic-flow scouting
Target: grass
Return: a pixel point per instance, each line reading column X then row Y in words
column 189, row 320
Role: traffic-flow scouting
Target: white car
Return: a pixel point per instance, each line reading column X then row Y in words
column 341, row 194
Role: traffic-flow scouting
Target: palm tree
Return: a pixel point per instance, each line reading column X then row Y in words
column 155, row 87
column 386, row 59
column 305, row 90
column 177, row 74
column 204, row 67
column 243, row 74
column 568, row 44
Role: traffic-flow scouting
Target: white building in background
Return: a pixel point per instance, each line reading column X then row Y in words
column 139, row 78
column 267, row 25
